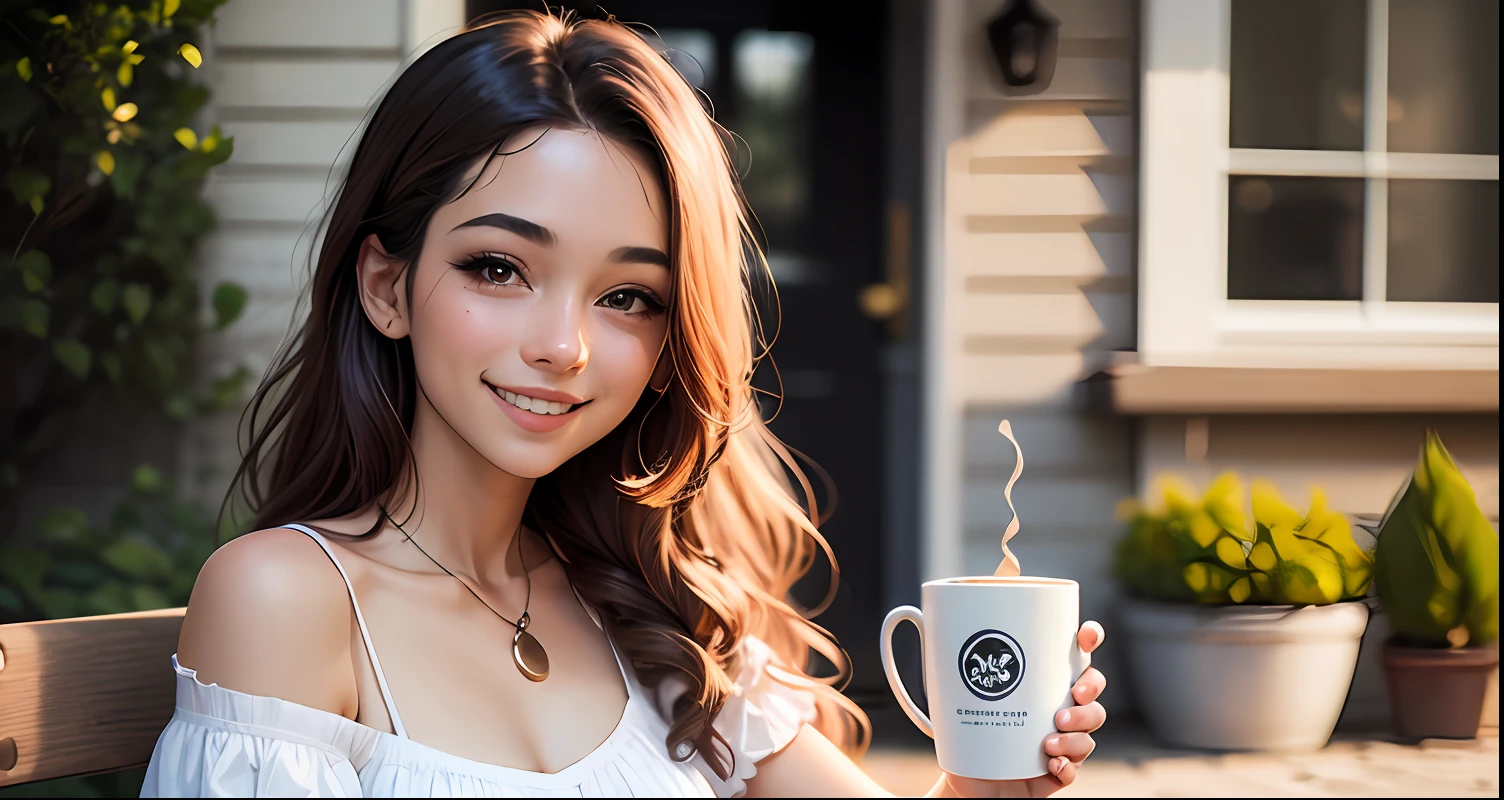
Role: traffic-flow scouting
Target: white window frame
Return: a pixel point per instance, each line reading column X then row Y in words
column 1184, row 313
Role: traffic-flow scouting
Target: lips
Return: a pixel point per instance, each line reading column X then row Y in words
column 536, row 405
column 537, row 410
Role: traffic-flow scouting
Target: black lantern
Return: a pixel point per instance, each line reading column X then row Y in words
column 1024, row 38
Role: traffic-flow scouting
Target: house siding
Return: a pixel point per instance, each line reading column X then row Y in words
column 1040, row 210
column 1040, row 206
column 291, row 81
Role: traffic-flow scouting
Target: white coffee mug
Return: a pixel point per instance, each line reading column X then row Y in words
column 1000, row 658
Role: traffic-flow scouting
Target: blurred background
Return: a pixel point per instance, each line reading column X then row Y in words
column 1159, row 236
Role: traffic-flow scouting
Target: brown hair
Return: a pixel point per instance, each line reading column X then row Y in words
column 681, row 527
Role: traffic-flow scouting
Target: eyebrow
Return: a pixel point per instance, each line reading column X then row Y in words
column 530, row 231
column 538, row 234
column 639, row 255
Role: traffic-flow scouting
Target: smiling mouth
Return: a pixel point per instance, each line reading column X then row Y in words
column 543, row 408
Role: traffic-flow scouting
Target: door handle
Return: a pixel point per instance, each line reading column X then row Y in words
column 889, row 301
column 881, row 301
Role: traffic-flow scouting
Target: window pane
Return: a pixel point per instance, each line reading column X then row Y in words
column 772, row 74
column 1297, row 74
column 1444, row 241
column 1294, row 238
column 1444, row 76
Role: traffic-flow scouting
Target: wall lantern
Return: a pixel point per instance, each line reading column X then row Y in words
column 1024, row 39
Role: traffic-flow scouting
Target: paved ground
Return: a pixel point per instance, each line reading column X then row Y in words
column 1127, row 764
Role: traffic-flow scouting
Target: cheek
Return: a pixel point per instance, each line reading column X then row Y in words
column 461, row 332
column 625, row 354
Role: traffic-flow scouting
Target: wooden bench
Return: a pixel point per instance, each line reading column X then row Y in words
column 84, row 696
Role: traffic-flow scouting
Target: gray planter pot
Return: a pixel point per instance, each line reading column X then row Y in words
column 1240, row 677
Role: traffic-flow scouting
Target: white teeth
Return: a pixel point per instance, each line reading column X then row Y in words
column 540, row 407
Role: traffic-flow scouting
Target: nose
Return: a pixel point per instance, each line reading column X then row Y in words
column 555, row 337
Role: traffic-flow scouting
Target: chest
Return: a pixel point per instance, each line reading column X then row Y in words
column 449, row 666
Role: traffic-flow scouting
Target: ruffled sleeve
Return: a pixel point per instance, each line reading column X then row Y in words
column 223, row 743
column 761, row 717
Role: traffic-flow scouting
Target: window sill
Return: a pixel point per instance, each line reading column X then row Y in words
column 1139, row 389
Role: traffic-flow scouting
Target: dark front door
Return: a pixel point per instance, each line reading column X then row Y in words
column 801, row 87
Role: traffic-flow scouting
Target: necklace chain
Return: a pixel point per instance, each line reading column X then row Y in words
column 522, row 621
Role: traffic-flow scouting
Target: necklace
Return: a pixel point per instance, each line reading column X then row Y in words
column 527, row 653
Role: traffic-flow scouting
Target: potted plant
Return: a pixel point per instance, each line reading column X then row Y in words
column 1437, row 570
column 1237, row 634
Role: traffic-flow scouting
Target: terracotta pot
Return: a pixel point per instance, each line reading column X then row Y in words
column 1438, row 693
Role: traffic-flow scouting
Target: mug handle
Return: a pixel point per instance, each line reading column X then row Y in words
column 890, row 623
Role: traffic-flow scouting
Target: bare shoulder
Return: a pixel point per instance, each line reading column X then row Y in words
column 270, row 616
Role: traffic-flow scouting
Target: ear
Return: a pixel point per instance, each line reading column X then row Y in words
column 382, row 294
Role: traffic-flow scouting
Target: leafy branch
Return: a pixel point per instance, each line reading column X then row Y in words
column 101, row 209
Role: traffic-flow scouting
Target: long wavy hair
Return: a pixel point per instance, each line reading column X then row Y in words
column 685, row 526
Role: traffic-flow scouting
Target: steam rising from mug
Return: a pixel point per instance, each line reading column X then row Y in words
column 1009, row 566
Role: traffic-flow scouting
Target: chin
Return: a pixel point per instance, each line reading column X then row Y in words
column 529, row 462
column 535, row 459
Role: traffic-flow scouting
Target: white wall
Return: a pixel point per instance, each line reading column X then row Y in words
column 1036, row 217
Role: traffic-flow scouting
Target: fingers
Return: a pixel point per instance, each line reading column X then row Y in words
column 1064, row 770
column 1089, row 687
column 1090, row 636
column 1073, row 746
column 1085, row 718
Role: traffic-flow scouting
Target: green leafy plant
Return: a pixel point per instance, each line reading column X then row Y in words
column 1438, row 558
column 101, row 306
column 100, row 211
column 1202, row 550
column 102, row 165
column 145, row 557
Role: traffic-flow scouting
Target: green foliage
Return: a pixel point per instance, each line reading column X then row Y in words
column 1438, row 557
column 1191, row 550
column 100, row 212
column 101, row 177
column 101, row 209
column 145, row 556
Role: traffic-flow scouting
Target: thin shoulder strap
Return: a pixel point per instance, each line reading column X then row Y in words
column 596, row 618
column 365, row 635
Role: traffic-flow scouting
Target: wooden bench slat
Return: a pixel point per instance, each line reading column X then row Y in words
column 86, row 695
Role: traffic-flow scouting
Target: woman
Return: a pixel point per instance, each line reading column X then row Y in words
column 511, row 478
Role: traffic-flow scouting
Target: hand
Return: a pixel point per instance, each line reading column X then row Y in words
column 1066, row 749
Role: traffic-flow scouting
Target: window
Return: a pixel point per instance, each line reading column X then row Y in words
column 771, row 110
column 1319, row 174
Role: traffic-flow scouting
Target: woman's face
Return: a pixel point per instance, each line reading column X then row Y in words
column 538, row 306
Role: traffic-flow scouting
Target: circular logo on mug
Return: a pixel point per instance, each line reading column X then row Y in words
column 992, row 664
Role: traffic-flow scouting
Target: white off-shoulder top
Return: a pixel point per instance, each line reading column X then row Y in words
column 224, row 743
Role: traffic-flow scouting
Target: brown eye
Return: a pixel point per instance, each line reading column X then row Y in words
column 499, row 273
column 630, row 302
column 620, row 301
column 493, row 270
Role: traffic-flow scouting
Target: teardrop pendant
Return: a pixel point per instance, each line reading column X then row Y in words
column 528, row 653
